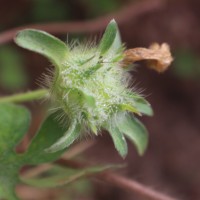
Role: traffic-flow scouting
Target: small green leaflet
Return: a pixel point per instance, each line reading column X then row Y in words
column 44, row 44
column 134, row 130
column 111, row 40
column 118, row 140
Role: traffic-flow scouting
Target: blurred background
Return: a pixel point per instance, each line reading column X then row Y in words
column 172, row 161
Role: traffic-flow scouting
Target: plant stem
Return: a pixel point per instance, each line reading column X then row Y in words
column 133, row 186
column 22, row 97
column 129, row 13
column 119, row 181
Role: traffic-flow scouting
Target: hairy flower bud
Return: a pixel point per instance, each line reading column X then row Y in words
column 91, row 88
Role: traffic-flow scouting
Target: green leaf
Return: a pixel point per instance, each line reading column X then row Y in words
column 44, row 44
column 49, row 132
column 6, row 194
column 111, row 38
column 134, row 130
column 67, row 176
column 118, row 139
column 14, row 123
column 69, row 137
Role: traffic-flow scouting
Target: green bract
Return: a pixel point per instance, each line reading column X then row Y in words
column 91, row 88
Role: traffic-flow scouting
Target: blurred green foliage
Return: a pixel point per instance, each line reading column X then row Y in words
column 82, row 188
column 186, row 64
column 12, row 71
column 59, row 10
column 102, row 7
column 49, row 10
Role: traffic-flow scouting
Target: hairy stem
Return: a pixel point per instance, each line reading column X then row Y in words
column 23, row 97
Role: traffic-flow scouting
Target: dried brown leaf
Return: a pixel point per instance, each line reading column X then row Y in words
column 158, row 56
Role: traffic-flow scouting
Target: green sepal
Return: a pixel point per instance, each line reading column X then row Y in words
column 143, row 106
column 93, row 128
column 140, row 104
column 79, row 97
column 134, row 130
column 43, row 43
column 49, row 132
column 118, row 139
column 128, row 107
column 111, row 38
column 65, row 141
column 92, row 70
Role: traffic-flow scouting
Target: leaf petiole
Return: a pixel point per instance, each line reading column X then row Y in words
column 22, row 97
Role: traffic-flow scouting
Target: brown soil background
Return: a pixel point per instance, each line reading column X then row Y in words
column 172, row 161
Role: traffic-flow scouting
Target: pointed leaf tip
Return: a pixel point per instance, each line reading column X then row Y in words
column 113, row 21
column 111, row 40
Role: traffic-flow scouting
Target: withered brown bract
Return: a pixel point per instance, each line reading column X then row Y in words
column 158, row 56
